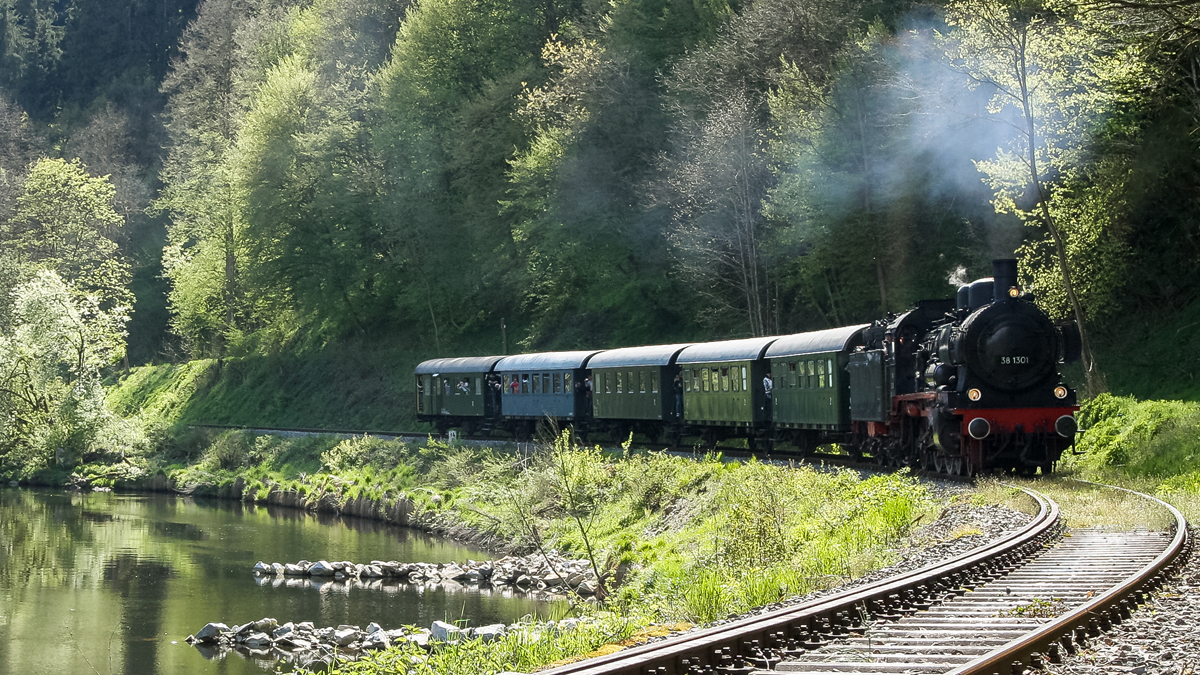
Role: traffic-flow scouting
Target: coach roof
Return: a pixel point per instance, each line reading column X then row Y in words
column 545, row 361
column 653, row 355
column 462, row 364
column 749, row 349
column 816, row 342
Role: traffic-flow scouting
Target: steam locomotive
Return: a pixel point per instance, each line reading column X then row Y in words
column 956, row 386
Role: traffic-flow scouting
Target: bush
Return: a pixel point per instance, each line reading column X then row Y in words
column 1148, row 438
column 361, row 451
column 229, row 451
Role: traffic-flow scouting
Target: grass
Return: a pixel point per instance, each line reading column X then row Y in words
column 1147, row 446
column 1083, row 505
column 352, row 386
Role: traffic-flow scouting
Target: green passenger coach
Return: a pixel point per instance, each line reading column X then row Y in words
column 454, row 392
column 723, row 383
column 635, row 384
column 811, row 388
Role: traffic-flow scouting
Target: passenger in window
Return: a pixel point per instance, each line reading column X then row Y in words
column 514, row 387
column 768, row 387
column 495, row 389
column 678, row 387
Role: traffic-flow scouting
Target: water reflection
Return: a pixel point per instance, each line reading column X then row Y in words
column 104, row 583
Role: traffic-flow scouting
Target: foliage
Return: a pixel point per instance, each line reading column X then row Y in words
column 51, row 400
column 65, row 221
column 1144, row 438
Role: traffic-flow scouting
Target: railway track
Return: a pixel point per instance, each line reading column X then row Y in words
column 729, row 451
column 1019, row 602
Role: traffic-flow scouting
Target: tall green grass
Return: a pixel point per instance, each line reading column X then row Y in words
column 350, row 386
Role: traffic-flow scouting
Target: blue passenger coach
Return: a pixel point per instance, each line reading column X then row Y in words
column 546, row 385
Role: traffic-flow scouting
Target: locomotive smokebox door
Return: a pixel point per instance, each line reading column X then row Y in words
column 868, row 393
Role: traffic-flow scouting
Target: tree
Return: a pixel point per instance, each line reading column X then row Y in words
column 206, row 101
column 18, row 148
column 51, row 361
column 717, row 187
column 30, row 35
column 1049, row 71
column 65, row 222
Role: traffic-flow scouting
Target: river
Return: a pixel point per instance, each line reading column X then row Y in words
column 109, row 583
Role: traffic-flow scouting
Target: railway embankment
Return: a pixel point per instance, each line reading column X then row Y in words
column 700, row 540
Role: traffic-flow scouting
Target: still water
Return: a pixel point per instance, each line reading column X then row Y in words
column 105, row 583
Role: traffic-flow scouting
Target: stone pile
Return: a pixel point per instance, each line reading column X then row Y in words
column 308, row 646
column 552, row 572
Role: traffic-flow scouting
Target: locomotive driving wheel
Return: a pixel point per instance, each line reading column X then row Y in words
column 954, row 466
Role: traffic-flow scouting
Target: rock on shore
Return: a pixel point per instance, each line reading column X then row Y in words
column 308, row 646
column 552, row 572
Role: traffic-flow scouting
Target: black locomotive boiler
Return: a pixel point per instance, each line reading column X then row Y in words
column 953, row 386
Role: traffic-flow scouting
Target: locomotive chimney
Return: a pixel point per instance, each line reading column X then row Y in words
column 1004, row 272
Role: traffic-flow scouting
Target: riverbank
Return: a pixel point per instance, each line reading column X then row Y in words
column 669, row 539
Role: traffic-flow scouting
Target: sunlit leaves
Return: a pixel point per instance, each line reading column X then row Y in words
column 51, row 360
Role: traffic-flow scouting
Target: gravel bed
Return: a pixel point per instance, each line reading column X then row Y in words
column 1161, row 638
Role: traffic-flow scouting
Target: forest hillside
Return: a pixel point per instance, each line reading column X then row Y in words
column 294, row 182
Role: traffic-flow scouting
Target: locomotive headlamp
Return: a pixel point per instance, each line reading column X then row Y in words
column 974, row 394
column 1060, row 391
column 1014, row 292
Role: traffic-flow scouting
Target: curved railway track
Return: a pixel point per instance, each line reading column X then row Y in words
column 1016, row 603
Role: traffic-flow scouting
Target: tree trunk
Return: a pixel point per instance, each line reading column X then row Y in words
column 1094, row 379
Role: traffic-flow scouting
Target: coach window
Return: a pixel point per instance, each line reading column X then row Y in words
column 810, row 374
column 558, row 383
column 524, row 383
column 733, row 380
column 829, row 370
column 654, row 382
column 567, row 382
column 704, row 378
column 821, row 374
column 745, row 384
column 642, row 381
column 537, row 384
column 632, row 388
column 478, row 386
column 620, row 382
column 546, row 382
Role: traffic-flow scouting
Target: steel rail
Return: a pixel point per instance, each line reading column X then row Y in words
column 1085, row 621
column 808, row 620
